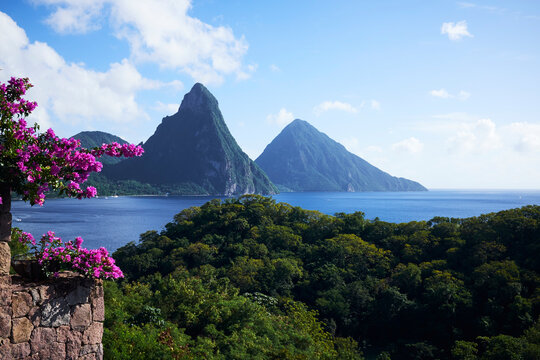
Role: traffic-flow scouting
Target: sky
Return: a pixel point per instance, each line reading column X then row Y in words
column 446, row 93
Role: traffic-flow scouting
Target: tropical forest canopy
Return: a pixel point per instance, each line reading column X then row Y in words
column 249, row 278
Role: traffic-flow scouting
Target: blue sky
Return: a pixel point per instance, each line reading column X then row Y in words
column 443, row 92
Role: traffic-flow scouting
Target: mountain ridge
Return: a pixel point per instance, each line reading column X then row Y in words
column 302, row 158
column 194, row 146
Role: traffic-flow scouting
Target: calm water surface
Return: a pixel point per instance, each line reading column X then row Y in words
column 113, row 222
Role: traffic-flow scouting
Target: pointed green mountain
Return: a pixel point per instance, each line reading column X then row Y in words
column 90, row 139
column 194, row 148
column 301, row 158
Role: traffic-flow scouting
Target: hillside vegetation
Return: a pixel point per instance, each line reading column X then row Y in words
column 249, row 278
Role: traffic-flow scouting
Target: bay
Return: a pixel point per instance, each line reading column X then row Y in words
column 114, row 221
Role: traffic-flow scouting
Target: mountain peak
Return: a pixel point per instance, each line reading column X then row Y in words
column 301, row 158
column 298, row 123
column 194, row 151
column 198, row 98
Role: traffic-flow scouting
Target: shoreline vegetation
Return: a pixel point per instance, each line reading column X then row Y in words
column 108, row 187
column 250, row 278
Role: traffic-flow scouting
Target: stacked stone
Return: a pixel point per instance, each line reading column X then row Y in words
column 55, row 319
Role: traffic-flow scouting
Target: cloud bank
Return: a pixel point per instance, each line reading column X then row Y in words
column 160, row 32
column 68, row 91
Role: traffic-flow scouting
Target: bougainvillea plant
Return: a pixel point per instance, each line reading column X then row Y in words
column 33, row 163
column 54, row 256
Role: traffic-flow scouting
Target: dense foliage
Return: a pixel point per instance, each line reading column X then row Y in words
column 201, row 317
column 445, row 288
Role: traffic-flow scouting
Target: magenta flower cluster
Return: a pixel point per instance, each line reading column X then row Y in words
column 51, row 253
column 33, row 163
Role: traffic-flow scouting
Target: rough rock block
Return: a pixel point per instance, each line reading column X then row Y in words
column 72, row 339
column 5, row 325
column 5, row 258
column 55, row 313
column 78, row 296
column 14, row 351
column 51, row 351
column 21, row 330
column 21, row 302
column 42, row 340
column 81, row 318
column 5, row 296
column 93, row 334
column 44, row 292
column 89, row 349
column 98, row 308
column 20, row 351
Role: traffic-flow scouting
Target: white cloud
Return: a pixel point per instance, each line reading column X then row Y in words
column 69, row 91
column 478, row 136
column 275, row 68
column 443, row 94
column 161, row 32
column 375, row 105
column 79, row 16
column 411, row 145
column 283, row 117
column 166, row 109
column 334, row 105
column 479, row 152
column 455, row 31
column 526, row 136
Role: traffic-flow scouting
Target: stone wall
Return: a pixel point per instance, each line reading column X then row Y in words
column 60, row 318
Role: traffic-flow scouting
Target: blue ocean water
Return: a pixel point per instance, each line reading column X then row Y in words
column 113, row 222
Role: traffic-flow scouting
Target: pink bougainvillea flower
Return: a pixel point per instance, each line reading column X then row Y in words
column 53, row 253
column 45, row 162
column 33, row 163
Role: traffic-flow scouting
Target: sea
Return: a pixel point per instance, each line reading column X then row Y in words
column 115, row 221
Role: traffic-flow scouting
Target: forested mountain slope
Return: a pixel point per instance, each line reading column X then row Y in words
column 194, row 149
